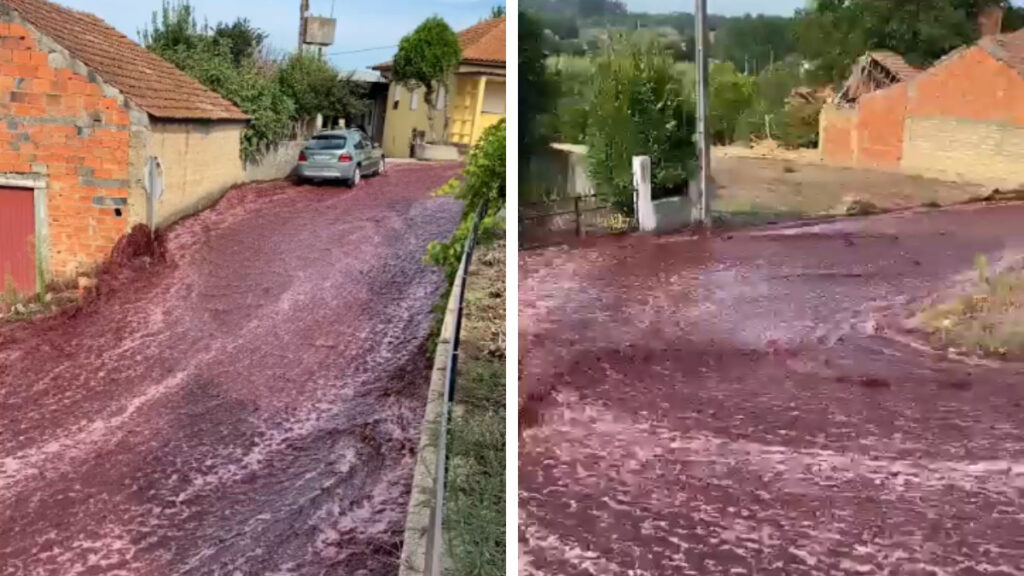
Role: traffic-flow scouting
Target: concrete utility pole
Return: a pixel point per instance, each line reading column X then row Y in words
column 703, row 142
column 303, row 12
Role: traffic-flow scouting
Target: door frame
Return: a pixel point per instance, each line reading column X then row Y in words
column 36, row 183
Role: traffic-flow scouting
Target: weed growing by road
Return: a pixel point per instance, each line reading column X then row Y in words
column 475, row 519
column 483, row 182
column 989, row 320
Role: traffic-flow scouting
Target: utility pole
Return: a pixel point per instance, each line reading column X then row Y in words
column 303, row 12
column 703, row 142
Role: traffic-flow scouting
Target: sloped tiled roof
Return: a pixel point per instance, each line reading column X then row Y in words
column 895, row 63
column 483, row 43
column 1008, row 48
column 149, row 81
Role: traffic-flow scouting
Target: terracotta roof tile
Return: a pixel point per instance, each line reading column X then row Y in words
column 483, row 43
column 149, row 81
column 895, row 63
column 1008, row 48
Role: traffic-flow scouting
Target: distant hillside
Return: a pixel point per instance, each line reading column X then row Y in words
column 750, row 42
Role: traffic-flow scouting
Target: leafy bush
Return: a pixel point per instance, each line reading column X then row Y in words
column 316, row 88
column 732, row 94
column 572, row 78
column 225, row 59
column 638, row 108
column 483, row 181
column 209, row 61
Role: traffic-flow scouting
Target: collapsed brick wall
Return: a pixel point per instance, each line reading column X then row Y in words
column 836, row 139
column 59, row 125
column 879, row 126
column 961, row 120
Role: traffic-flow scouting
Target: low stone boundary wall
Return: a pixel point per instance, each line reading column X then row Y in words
column 278, row 162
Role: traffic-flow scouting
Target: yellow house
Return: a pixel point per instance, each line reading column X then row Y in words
column 478, row 100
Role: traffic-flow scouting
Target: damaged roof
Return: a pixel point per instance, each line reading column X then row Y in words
column 483, row 43
column 895, row 63
column 149, row 81
column 874, row 71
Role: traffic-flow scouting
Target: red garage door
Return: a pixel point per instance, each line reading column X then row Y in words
column 17, row 239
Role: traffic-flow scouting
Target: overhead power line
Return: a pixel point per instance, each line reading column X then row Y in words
column 363, row 50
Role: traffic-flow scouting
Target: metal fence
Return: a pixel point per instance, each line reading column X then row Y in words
column 565, row 219
column 433, row 565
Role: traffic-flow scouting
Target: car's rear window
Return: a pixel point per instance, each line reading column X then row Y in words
column 325, row 143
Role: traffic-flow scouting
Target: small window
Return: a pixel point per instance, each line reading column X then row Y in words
column 440, row 99
column 494, row 98
column 414, row 101
column 398, row 97
column 327, row 142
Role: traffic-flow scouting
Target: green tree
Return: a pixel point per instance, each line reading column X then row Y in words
column 535, row 88
column 497, row 11
column 482, row 182
column 198, row 52
column 732, row 94
column 244, row 40
column 833, row 33
column 638, row 108
column 172, row 28
column 427, row 58
column 753, row 43
column 316, row 87
column 572, row 79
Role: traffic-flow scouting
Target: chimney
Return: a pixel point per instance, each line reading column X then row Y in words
column 990, row 20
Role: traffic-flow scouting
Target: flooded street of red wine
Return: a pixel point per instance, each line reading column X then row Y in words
column 750, row 403
column 250, row 405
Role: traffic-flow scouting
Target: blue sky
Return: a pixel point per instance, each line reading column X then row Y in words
column 373, row 24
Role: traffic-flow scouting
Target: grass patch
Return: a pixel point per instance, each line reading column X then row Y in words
column 18, row 307
column 475, row 517
column 987, row 321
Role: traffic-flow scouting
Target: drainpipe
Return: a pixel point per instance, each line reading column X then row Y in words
column 154, row 190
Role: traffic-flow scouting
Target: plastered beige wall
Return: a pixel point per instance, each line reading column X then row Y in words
column 400, row 120
column 200, row 162
column 964, row 150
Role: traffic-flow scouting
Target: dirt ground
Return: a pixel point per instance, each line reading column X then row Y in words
column 249, row 404
column 755, row 189
column 751, row 403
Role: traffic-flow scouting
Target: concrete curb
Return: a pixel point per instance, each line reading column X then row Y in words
column 421, row 500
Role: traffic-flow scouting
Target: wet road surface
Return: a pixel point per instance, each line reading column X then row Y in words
column 249, row 407
column 751, row 405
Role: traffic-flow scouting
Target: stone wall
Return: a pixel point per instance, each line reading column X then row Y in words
column 278, row 162
column 966, row 121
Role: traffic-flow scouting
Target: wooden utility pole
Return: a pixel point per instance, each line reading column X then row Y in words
column 303, row 12
column 703, row 141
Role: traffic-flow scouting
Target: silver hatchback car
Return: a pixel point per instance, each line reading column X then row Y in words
column 341, row 155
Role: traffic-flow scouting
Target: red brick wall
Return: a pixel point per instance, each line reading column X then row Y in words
column 880, row 119
column 971, row 86
column 837, row 137
column 59, row 124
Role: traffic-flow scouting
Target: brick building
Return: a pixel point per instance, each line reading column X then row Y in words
column 91, row 122
column 962, row 119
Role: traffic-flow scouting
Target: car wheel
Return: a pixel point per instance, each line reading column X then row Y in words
column 356, row 177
